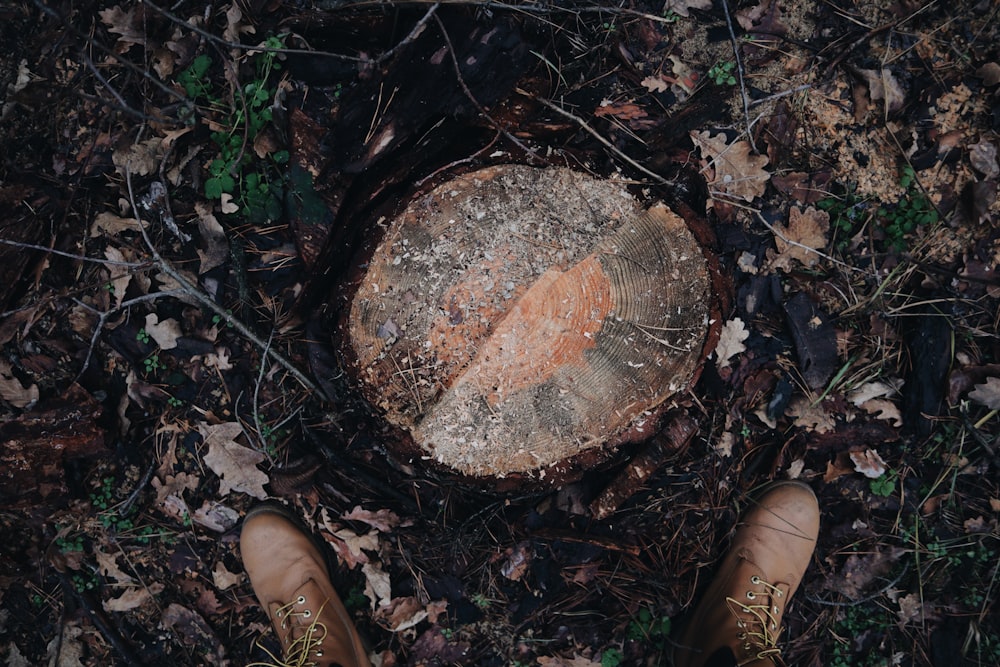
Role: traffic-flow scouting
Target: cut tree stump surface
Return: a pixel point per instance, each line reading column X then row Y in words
column 515, row 317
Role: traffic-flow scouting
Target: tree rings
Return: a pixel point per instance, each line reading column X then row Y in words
column 515, row 317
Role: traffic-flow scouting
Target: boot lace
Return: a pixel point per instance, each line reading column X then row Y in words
column 757, row 618
column 305, row 646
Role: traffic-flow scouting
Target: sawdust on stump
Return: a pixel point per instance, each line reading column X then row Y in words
column 515, row 317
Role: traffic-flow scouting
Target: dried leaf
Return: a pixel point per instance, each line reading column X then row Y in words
column 876, row 389
column 988, row 393
column 806, row 232
column 655, row 84
column 377, row 584
column 107, row 565
column 215, row 516
column 983, row 156
column 575, row 661
column 684, row 7
column 174, row 485
column 989, row 73
column 737, row 173
column 139, row 159
column 235, row 464
column 868, row 463
column 226, row 203
column 882, row 85
column 128, row 25
column 213, row 237
column 883, row 409
column 518, row 560
column 724, row 446
column 808, row 416
column 734, row 332
column 913, row 610
column 112, row 224
column 132, row 598
column 165, row 333
column 12, row 391
column 401, row 613
column 350, row 546
column 235, row 25
column 383, row 520
column 222, row 578
column 120, row 277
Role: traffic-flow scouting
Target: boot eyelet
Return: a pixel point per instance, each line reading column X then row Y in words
column 307, row 614
column 751, row 595
column 755, row 580
column 302, row 599
column 775, row 610
column 742, row 635
column 278, row 614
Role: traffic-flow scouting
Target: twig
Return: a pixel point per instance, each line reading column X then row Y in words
column 69, row 255
column 802, row 245
column 739, row 72
column 583, row 124
column 193, row 291
column 468, row 93
column 245, row 47
column 417, row 30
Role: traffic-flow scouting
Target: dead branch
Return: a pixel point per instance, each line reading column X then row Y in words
column 583, row 124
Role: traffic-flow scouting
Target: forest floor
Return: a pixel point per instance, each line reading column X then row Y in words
column 158, row 379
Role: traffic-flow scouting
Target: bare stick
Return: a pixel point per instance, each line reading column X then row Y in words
column 739, row 72
column 468, row 93
column 417, row 29
column 202, row 298
column 583, row 124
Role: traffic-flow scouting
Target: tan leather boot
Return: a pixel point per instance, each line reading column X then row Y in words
column 742, row 609
column 290, row 579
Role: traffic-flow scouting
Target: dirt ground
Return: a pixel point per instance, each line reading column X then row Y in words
column 189, row 193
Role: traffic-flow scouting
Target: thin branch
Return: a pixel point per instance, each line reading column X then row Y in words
column 468, row 93
column 417, row 30
column 82, row 258
column 583, row 124
column 193, row 291
column 740, row 73
column 246, row 47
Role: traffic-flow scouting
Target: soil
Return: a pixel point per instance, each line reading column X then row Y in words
column 189, row 196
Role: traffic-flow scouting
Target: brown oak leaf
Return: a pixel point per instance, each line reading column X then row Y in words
column 868, row 463
column 235, row 464
column 987, row 393
column 806, row 233
column 734, row 332
column 737, row 173
column 684, row 7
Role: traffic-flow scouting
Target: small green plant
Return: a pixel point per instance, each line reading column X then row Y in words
column 253, row 182
column 70, row 544
column 84, row 581
column 142, row 336
column 646, row 627
column 885, row 485
column 175, row 402
column 911, row 212
column 481, row 601
column 847, row 214
column 722, row 73
column 611, row 657
column 670, row 16
column 152, row 363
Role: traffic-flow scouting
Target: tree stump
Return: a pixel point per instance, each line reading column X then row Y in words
column 513, row 318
